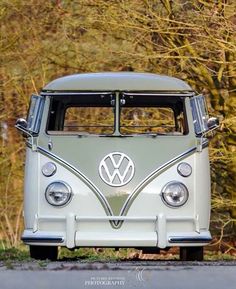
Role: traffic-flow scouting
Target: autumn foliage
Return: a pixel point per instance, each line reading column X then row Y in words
column 192, row 40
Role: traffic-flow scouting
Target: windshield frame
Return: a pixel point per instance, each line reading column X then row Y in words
column 65, row 106
column 146, row 100
column 118, row 97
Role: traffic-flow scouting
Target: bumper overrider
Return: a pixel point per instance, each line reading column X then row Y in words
column 159, row 237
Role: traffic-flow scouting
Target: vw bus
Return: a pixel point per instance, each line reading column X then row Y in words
column 117, row 160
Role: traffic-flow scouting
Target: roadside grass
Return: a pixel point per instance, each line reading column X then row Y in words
column 88, row 254
column 219, row 256
column 10, row 255
column 21, row 254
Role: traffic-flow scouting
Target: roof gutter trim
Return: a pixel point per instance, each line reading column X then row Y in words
column 158, row 94
column 76, row 93
column 187, row 94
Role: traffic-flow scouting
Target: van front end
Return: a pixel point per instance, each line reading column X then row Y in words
column 116, row 160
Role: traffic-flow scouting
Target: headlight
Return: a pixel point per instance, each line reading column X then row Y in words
column 184, row 169
column 58, row 193
column 49, row 169
column 174, row 194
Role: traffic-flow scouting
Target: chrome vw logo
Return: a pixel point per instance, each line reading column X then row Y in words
column 116, row 169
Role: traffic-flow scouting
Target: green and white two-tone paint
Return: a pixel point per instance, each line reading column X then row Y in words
column 117, row 160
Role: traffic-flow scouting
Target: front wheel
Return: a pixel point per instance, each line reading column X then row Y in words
column 191, row 253
column 44, row 252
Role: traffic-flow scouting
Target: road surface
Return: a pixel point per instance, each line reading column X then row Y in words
column 78, row 275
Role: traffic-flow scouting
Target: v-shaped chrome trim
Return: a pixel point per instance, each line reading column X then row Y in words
column 132, row 196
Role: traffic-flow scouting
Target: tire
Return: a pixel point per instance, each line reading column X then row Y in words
column 44, row 252
column 191, row 253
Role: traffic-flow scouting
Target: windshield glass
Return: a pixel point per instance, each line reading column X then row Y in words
column 152, row 115
column 147, row 120
column 92, row 120
column 82, row 114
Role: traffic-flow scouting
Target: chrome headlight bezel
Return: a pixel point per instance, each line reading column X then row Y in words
column 167, row 202
column 67, row 191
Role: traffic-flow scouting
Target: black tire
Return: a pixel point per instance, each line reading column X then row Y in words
column 191, row 253
column 44, row 252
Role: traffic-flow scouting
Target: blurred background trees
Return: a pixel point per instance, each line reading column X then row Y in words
column 192, row 40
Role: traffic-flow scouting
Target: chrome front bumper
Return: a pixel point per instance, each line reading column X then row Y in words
column 42, row 238
column 189, row 239
column 159, row 237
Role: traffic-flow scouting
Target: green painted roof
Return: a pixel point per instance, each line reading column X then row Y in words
column 117, row 81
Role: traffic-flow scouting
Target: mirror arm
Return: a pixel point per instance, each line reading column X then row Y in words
column 203, row 135
column 34, row 147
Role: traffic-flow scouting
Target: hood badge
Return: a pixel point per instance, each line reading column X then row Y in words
column 116, row 169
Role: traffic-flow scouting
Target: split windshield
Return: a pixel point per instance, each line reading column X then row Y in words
column 108, row 114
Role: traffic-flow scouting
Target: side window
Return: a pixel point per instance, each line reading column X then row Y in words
column 200, row 114
column 35, row 113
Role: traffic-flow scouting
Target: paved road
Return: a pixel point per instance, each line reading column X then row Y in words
column 126, row 275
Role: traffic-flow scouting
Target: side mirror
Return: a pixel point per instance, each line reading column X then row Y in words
column 21, row 125
column 212, row 123
column 21, row 122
